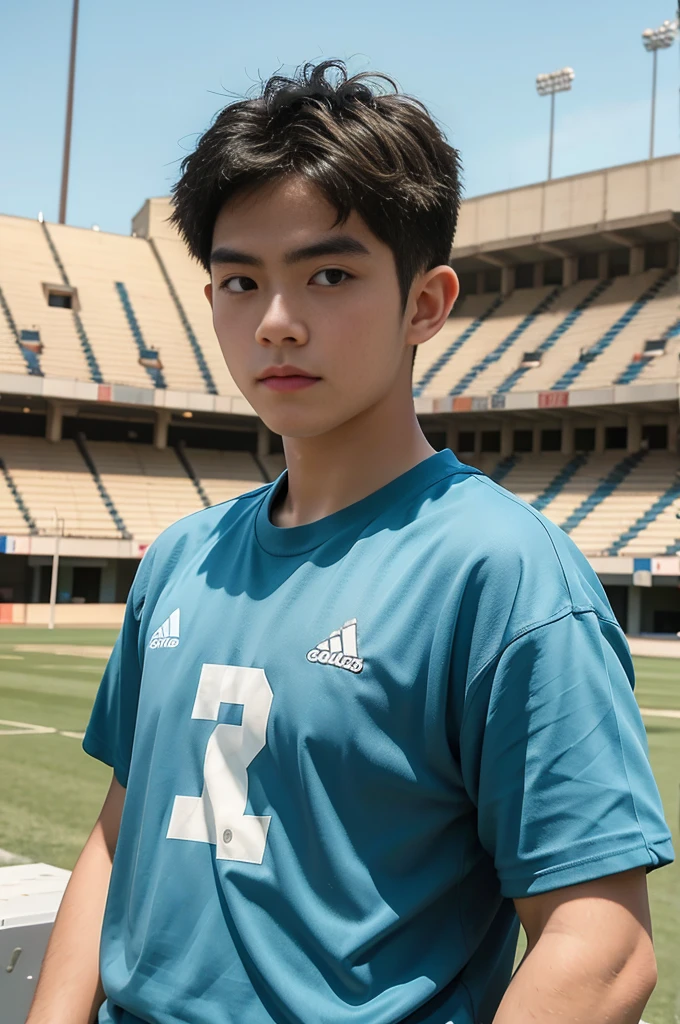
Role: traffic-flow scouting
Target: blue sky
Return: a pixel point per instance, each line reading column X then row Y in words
column 151, row 75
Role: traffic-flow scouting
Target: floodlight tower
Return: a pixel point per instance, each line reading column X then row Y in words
column 653, row 40
column 548, row 85
column 66, row 160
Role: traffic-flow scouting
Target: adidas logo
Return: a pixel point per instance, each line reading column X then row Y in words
column 167, row 635
column 340, row 649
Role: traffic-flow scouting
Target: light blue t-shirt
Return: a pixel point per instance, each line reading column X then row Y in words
column 348, row 745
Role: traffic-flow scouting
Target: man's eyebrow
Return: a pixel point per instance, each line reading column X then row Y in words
column 223, row 254
column 338, row 245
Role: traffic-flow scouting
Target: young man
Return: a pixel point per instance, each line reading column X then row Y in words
column 368, row 716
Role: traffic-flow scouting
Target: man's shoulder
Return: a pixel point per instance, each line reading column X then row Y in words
column 205, row 521
column 503, row 570
column 494, row 520
column 500, row 540
column 185, row 538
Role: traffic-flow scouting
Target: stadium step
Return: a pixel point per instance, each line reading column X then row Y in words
column 493, row 356
column 577, row 368
column 16, row 494
column 32, row 359
column 559, row 481
column 636, row 366
column 554, row 336
column 154, row 372
column 88, row 351
column 503, row 468
column 81, row 445
column 180, row 452
column 607, row 485
column 654, row 510
column 674, row 548
column 203, row 367
column 455, row 346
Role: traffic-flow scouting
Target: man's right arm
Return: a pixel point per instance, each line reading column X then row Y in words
column 69, row 989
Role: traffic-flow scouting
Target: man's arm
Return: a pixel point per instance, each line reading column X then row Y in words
column 69, row 988
column 589, row 955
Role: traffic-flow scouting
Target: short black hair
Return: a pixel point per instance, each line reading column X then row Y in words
column 365, row 145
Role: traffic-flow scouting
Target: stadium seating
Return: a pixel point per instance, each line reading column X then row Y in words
column 188, row 280
column 194, row 342
column 557, row 332
column 495, row 373
column 613, row 302
column 224, row 475
column 627, row 502
column 648, row 317
column 655, row 512
column 585, row 478
column 150, row 488
column 530, row 475
column 611, row 503
column 136, row 296
column 147, row 488
column 498, row 326
column 54, row 482
column 582, row 483
column 659, row 320
column 96, row 263
column 12, row 519
column 467, row 318
column 546, row 300
column 667, row 365
column 10, row 351
column 26, row 265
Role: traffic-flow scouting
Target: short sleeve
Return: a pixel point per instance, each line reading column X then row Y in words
column 111, row 729
column 554, row 756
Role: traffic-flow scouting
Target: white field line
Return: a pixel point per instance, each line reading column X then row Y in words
column 26, row 729
column 6, row 857
column 23, row 728
column 70, row 650
column 659, row 713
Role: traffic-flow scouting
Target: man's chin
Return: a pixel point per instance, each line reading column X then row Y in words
column 295, row 424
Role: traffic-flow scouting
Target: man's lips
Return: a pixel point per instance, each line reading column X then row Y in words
column 291, row 382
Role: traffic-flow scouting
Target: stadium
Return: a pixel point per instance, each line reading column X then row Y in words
column 557, row 374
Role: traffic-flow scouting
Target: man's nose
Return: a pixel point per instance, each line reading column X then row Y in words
column 280, row 325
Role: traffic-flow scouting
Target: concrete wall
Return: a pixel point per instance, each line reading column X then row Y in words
column 152, row 220
column 580, row 201
column 65, row 614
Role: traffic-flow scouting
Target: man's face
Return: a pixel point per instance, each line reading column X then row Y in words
column 292, row 292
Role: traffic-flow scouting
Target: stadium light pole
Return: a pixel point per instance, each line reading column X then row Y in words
column 653, row 40
column 548, row 85
column 69, row 115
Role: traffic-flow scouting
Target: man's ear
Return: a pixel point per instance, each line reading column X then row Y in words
column 207, row 291
column 431, row 300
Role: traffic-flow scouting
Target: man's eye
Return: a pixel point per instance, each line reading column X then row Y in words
column 239, row 284
column 330, row 277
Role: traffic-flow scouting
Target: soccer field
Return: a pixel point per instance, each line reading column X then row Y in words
column 51, row 791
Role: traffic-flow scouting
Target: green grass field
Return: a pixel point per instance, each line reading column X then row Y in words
column 51, row 792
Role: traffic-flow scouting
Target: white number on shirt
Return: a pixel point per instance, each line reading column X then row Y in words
column 218, row 814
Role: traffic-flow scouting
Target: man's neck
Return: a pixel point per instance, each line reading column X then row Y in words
column 336, row 469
